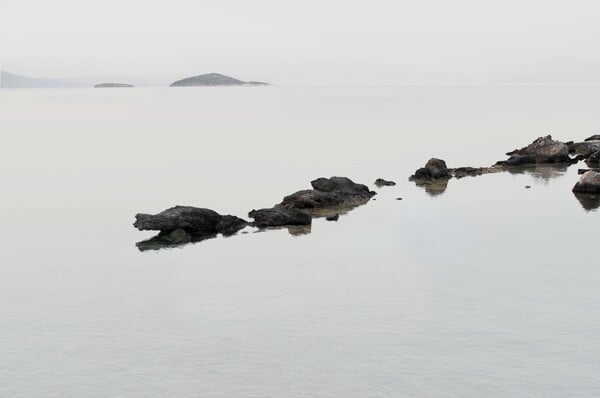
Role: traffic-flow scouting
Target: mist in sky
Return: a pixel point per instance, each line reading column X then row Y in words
column 304, row 42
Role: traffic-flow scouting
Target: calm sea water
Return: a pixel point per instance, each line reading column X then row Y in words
column 485, row 290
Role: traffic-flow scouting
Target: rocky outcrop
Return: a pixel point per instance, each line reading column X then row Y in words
column 278, row 217
column 380, row 182
column 435, row 169
column 541, row 151
column 213, row 79
column 112, row 85
column 595, row 137
column 183, row 224
column 331, row 192
column 589, row 182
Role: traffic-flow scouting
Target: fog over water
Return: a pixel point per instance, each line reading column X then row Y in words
column 310, row 42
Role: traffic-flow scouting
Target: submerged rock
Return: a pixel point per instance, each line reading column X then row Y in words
column 542, row 150
column 329, row 193
column 380, row 182
column 589, row 182
column 435, row 169
column 278, row 217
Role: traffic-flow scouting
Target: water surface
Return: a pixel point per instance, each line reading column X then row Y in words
column 484, row 289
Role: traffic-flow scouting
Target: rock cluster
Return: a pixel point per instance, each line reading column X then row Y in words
column 184, row 224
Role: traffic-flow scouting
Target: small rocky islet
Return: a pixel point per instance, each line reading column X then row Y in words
column 114, row 85
column 213, row 80
column 330, row 197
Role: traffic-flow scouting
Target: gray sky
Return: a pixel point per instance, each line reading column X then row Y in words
column 309, row 41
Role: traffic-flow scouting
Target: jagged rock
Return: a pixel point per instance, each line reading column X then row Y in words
column 380, row 182
column 589, row 182
column 435, row 169
column 461, row 172
column 542, row 150
column 595, row 137
column 329, row 193
column 278, row 216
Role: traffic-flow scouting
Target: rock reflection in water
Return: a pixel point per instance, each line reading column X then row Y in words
column 434, row 187
column 540, row 172
column 589, row 202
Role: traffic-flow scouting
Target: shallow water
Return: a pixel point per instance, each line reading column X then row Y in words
column 484, row 289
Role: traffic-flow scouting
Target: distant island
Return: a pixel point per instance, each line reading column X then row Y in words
column 112, row 85
column 214, row 79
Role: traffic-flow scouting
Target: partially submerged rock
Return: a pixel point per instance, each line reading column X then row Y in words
column 542, row 150
column 435, row 169
column 461, row 172
column 183, row 224
column 588, row 183
column 329, row 193
column 279, row 217
column 380, row 182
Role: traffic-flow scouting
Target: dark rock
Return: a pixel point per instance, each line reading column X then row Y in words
column 398, row 198
column 229, row 225
column 467, row 171
column 585, row 149
column 527, row 186
column 329, row 193
column 542, row 150
column 380, row 182
column 190, row 219
column 588, row 183
column 279, row 216
column 213, row 79
column 595, row 137
column 333, row 218
column 435, row 169
column 594, row 159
